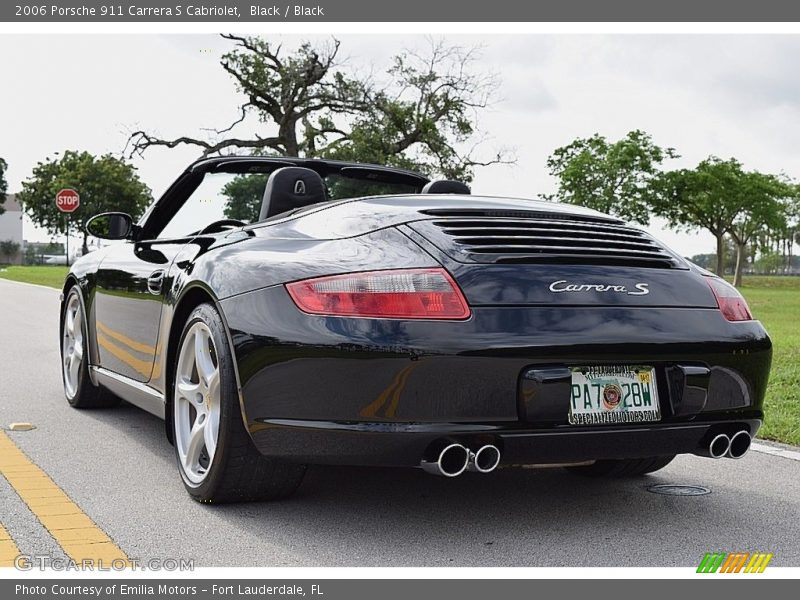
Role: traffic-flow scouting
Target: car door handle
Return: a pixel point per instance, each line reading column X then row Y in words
column 155, row 281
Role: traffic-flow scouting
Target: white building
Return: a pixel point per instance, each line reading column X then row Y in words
column 11, row 227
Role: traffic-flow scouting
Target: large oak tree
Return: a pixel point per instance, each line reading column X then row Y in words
column 420, row 113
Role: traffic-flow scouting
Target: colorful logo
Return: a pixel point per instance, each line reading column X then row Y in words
column 612, row 394
column 734, row 562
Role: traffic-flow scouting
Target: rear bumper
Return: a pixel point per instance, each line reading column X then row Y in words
column 378, row 392
column 405, row 444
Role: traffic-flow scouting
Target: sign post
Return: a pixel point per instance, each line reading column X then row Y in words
column 67, row 201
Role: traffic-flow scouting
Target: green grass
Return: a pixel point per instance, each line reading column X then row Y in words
column 775, row 301
column 51, row 276
column 769, row 282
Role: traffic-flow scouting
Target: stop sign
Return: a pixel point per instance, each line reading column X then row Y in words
column 68, row 200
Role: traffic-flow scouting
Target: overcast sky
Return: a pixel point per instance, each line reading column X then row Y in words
column 711, row 94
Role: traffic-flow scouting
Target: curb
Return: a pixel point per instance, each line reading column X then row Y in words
column 782, row 450
column 36, row 285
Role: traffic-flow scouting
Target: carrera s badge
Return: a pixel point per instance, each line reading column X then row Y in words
column 640, row 289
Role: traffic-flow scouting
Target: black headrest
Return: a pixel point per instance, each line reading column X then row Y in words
column 291, row 187
column 446, row 186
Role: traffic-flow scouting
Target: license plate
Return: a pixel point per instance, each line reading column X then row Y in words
column 607, row 395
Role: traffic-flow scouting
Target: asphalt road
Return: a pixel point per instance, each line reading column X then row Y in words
column 118, row 467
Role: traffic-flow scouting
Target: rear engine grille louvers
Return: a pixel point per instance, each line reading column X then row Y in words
column 543, row 238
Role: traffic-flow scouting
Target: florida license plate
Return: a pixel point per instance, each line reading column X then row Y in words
column 607, row 395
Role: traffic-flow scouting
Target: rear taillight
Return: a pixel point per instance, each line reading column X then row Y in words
column 730, row 301
column 396, row 294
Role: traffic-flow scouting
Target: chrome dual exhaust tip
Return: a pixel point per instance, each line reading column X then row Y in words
column 485, row 459
column 453, row 459
column 739, row 444
column 719, row 446
column 722, row 445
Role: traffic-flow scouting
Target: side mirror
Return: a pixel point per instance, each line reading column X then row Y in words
column 110, row 226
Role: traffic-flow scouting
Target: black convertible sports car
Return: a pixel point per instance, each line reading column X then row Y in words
column 283, row 312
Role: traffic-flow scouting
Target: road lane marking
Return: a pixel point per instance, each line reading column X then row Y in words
column 130, row 343
column 76, row 533
column 143, row 367
column 8, row 548
column 393, row 391
column 107, row 338
column 775, row 451
column 392, row 408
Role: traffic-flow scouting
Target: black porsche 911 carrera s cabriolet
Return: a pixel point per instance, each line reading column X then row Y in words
column 284, row 312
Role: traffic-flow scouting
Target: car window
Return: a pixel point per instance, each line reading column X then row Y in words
column 206, row 205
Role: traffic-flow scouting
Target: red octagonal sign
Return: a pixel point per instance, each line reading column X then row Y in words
column 68, row 200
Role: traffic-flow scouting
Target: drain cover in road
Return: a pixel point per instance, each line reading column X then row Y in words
column 679, row 490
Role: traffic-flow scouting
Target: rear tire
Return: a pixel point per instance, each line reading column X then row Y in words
column 220, row 464
column 78, row 387
column 622, row 468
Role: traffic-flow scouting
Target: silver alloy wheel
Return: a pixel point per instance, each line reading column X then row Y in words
column 197, row 402
column 72, row 346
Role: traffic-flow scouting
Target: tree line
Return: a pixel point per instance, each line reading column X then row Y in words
column 422, row 112
column 758, row 213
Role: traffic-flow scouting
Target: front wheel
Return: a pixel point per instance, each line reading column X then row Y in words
column 623, row 468
column 78, row 386
column 216, row 457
